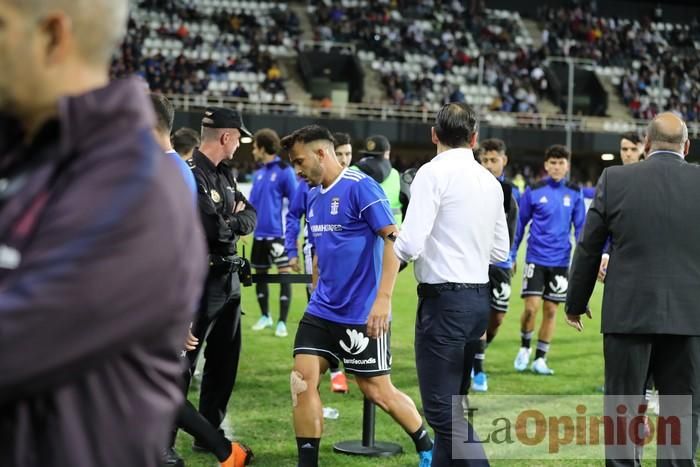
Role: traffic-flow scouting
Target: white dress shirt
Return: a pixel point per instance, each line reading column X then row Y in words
column 455, row 224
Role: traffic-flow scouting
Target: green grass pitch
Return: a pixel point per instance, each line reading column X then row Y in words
column 260, row 408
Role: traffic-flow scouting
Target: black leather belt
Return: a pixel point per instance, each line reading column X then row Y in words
column 433, row 290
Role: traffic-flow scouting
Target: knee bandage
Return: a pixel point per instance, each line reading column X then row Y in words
column 297, row 385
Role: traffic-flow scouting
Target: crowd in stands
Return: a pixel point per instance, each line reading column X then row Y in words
column 426, row 51
column 423, row 46
column 659, row 61
column 205, row 49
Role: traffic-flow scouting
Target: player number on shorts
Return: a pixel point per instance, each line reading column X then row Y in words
column 529, row 271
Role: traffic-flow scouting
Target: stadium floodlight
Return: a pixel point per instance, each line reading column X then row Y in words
column 571, row 62
column 607, row 157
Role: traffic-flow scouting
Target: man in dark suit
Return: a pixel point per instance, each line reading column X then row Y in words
column 650, row 320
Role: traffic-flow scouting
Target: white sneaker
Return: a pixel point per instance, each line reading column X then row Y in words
column 281, row 330
column 263, row 322
column 540, row 367
column 522, row 359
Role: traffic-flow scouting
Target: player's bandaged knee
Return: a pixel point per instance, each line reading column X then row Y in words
column 297, row 385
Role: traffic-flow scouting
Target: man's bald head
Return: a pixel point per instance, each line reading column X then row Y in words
column 667, row 132
column 98, row 26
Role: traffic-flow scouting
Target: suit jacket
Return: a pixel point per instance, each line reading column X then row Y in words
column 651, row 211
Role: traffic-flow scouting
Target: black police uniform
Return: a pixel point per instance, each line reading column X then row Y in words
column 218, row 318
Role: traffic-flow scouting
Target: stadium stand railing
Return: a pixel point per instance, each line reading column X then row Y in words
column 424, row 114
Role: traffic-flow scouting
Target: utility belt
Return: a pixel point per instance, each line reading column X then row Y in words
column 232, row 264
column 434, row 290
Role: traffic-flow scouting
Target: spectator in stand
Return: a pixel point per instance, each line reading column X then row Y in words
column 184, row 74
column 240, row 92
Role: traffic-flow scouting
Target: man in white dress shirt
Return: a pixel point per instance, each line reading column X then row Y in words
column 454, row 227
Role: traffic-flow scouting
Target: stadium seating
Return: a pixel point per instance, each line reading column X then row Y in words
column 426, row 56
column 426, row 53
column 655, row 65
column 214, row 47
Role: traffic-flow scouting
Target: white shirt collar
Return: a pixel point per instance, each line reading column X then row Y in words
column 455, row 152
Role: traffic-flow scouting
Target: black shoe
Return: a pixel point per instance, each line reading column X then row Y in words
column 172, row 459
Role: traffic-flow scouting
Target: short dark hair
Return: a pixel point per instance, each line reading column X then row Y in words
column 184, row 140
column 268, row 140
column 341, row 139
column 556, row 151
column 307, row 134
column 165, row 113
column 632, row 136
column 492, row 144
column 455, row 124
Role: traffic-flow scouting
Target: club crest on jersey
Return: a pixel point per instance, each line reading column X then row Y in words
column 567, row 201
column 335, row 204
column 215, row 196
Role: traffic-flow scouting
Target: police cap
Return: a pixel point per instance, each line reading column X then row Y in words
column 221, row 117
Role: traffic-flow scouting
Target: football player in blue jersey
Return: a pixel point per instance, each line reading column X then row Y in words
column 551, row 207
column 348, row 317
column 272, row 183
column 297, row 208
column 492, row 155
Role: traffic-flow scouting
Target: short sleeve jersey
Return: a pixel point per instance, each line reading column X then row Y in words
column 344, row 220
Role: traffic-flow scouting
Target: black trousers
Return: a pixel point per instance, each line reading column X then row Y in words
column 674, row 363
column 447, row 327
column 218, row 323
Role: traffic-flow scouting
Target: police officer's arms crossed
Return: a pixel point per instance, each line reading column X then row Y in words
column 243, row 219
column 222, row 226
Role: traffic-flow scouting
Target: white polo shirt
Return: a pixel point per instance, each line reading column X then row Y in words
column 455, row 225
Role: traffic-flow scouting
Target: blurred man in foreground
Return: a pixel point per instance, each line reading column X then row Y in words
column 94, row 305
